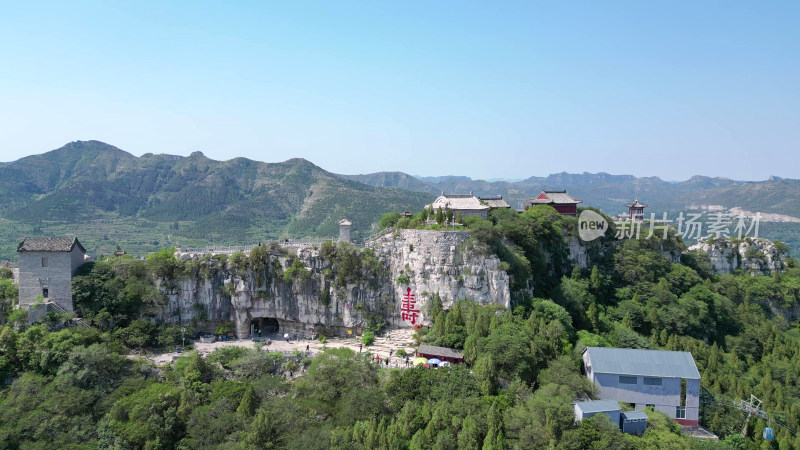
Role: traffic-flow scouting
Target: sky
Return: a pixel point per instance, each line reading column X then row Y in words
column 482, row 89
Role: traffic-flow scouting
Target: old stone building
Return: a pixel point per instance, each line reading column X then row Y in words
column 464, row 204
column 46, row 267
column 344, row 230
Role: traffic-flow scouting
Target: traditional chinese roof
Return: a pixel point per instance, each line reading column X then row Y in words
column 345, row 222
column 458, row 202
column 649, row 363
column 495, row 201
column 49, row 244
column 636, row 204
column 432, row 350
column 555, row 198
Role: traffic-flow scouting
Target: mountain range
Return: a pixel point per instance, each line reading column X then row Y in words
column 610, row 193
column 109, row 197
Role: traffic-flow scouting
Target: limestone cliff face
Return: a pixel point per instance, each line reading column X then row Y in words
column 410, row 268
column 754, row 256
column 440, row 262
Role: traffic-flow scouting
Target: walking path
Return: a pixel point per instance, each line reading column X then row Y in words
column 392, row 340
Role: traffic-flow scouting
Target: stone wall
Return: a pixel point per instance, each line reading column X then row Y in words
column 56, row 277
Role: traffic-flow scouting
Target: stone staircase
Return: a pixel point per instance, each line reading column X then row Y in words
column 61, row 310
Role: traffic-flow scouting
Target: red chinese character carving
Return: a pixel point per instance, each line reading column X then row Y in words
column 408, row 307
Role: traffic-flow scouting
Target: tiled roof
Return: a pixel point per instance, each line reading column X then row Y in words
column 49, row 244
column 433, row 350
column 596, row 406
column 557, row 197
column 636, row 204
column 458, row 202
column 649, row 363
column 495, row 201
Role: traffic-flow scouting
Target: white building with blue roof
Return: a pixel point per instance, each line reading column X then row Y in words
column 667, row 381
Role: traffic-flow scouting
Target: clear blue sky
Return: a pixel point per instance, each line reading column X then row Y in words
column 486, row 89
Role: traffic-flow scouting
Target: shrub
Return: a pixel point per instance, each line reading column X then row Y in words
column 403, row 279
column 296, row 272
column 226, row 355
column 224, row 328
column 389, row 220
column 368, row 338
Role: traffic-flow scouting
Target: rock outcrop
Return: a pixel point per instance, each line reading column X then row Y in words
column 440, row 262
column 753, row 256
column 408, row 269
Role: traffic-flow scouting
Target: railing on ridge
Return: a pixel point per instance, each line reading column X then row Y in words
column 305, row 242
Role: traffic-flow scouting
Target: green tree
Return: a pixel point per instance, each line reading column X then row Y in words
column 440, row 216
column 247, row 407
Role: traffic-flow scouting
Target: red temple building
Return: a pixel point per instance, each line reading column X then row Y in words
column 560, row 200
column 636, row 210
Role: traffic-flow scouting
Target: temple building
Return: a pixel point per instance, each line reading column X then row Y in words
column 494, row 201
column 560, row 200
column 636, row 210
column 464, row 204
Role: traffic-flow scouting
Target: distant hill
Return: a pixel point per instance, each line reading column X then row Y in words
column 108, row 197
column 610, row 193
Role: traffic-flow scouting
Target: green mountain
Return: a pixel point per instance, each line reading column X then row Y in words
column 611, row 192
column 109, row 197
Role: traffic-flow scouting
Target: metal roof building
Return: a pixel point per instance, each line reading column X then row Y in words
column 649, row 363
column 667, row 381
column 633, row 422
column 584, row 410
column 596, row 406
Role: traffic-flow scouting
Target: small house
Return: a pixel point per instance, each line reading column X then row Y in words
column 584, row 410
column 443, row 353
column 560, row 200
column 633, row 422
column 46, row 268
column 667, row 381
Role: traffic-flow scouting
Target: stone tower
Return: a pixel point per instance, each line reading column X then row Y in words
column 46, row 267
column 344, row 230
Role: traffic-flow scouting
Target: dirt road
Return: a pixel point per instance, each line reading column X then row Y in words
column 393, row 340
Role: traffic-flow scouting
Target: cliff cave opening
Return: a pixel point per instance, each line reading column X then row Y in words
column 266, row 325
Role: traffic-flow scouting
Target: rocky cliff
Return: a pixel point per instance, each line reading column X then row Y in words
column 338, row 287
column 754, row 256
